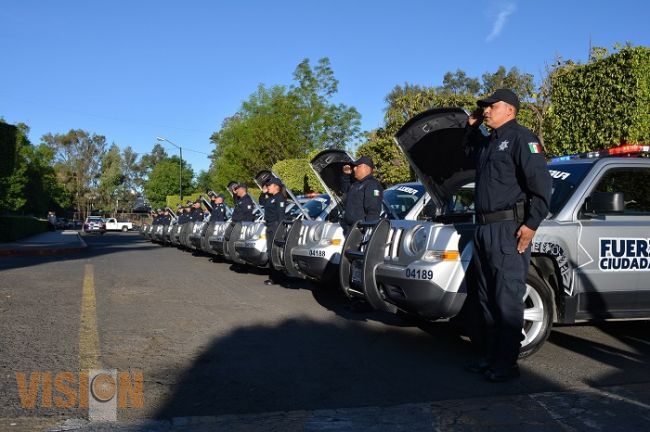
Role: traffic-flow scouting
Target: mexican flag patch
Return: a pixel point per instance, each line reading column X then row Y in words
column 534, row 147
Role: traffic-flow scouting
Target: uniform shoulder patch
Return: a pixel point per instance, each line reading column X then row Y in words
column 534, row 147
column 375, row 192
column 281, row 203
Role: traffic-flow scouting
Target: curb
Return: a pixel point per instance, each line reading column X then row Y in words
column 44, row 251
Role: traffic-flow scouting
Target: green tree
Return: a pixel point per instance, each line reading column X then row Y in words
column 404, row 102
column 163, row 180
column 77, row 162
column 277, row 123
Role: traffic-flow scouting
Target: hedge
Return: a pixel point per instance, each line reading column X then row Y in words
column 601, row 104
column 14, row 228
column 297, row 175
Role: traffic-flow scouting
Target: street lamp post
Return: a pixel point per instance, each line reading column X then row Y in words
column 180, row 171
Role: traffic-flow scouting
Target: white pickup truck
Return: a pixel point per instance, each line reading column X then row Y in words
column 113, row 225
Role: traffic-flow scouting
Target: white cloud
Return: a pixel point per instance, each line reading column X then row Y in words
column 502, row 18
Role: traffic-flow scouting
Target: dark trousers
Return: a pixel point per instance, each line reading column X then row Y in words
column 271, row 229
column 500, row 273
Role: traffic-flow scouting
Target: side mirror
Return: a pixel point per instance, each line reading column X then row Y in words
column 605, row 203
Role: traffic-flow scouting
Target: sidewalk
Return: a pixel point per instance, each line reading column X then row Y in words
column 618, row 408
column 48, row 243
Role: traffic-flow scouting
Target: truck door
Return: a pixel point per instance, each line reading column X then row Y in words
column 614, row 250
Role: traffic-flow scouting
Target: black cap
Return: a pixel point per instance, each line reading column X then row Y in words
column 273, row 180
column 212, row 194
column 232, row 185
column 188, row 203
column 219, row 195
column 365, row 160
column 501, row 95
column 239, row 185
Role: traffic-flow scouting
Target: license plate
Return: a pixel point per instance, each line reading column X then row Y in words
column 317, row 253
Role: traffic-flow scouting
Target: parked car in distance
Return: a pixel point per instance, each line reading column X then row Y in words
column 94, row 224
column 112, row 224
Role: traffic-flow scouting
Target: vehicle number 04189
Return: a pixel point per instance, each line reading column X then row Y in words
column 417, row 273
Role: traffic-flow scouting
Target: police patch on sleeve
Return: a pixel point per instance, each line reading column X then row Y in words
column 281, row 204
column 248, row 207
column 375, row 193
column 624, row 254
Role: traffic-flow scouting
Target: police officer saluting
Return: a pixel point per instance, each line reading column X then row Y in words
column 513, row 190
column 264, row 196
column 364, row 193
column 244, row 205
column 273, row 216
column 195, row 213
column 218, row 213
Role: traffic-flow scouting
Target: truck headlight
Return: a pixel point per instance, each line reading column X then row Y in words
column 316, row 232
column 416, row 240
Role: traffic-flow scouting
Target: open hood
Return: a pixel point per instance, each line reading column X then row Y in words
column 328, row 166
column 432, row 142
column 262, row 177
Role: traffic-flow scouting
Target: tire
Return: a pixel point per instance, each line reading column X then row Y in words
column 539, row 308
column 125, row 228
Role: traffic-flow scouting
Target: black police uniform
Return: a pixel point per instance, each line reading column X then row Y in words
column 273, row 216
column 218, row 213
column 182, row 219
column 263, row 199
column 166, row 219
column 363, row 200
column 244, row 208
column 513, row 186
column 196, row 215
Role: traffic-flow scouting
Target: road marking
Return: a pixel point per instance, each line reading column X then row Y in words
column 89, row 354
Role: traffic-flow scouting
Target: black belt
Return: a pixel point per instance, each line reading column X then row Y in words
column 498, row 216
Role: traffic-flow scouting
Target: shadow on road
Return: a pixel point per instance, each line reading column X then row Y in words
column 304, row 365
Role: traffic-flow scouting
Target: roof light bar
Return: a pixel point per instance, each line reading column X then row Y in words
column 622, row 150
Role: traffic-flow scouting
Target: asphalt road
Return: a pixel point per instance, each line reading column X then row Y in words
column 211, row 341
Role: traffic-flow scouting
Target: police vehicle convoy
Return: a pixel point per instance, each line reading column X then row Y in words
column 590, row 256
column 252, row 245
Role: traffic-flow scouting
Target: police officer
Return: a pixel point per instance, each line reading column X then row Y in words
column 364, row 193
column 166, row 218
column 273, row 216
column 196, row 215
column 513, row 189
column 218, row 213
column 264, row 196
column 244, row 205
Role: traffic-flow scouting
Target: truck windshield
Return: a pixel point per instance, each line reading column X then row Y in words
column 401, row 198
column 566, row 177
column 314, row 207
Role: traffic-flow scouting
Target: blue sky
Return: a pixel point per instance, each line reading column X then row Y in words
column 134, row 70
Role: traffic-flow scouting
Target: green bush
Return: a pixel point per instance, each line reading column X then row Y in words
column 297, row 175
column 14, row 228
column 600, row 104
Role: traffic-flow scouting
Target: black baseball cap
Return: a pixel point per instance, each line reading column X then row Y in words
column 273, row 180
column 239, row 185
column 366, row 160
column 500, row 95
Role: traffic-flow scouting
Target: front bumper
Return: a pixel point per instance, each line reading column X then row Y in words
column 313, row 262
column 253, row 252
column 441, row 296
